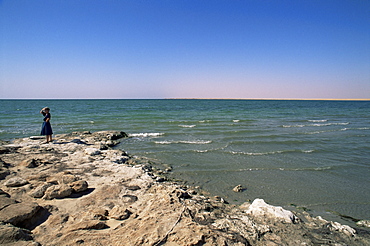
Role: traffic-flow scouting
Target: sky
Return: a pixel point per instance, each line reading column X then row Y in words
column 132, row 49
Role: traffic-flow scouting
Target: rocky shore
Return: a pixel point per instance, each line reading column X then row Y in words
column 80, row 191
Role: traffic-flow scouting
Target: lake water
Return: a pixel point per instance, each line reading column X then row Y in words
column 313, row 154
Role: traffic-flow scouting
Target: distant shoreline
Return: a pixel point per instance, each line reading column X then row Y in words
column 275, row 99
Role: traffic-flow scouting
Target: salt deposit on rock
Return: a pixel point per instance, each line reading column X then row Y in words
column 260, row 208
column 364, row 223
column 79, row 191
column 92, row 151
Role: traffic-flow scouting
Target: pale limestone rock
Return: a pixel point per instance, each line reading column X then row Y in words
column 58, row 191
column 6, row 201
column 18, row 212
column 349, row 231
column 119, row 213
column 11, row 234
column 87, row 225
column 61, row 178
column 364, row 223
column 40, row 190
column 238, row 188
column 16, row 182
column 96, row 214
column 29, row 163
column 79, row 186
column 92, row 151
column 260, row 208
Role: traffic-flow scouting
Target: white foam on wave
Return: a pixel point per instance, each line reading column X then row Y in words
column 308, row 151
column 318, row 124
column 287, row 126
column 256, row 153
column 202, row 151
column 163, row 142
column 187, row 126
column 146, row 134
column 317, row 120
column 331, row 124
column 236, row 121
column 184, row 142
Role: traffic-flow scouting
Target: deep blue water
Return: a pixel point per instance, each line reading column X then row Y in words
column 314, row 154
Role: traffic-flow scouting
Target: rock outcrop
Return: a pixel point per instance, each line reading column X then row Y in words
column 80, row 191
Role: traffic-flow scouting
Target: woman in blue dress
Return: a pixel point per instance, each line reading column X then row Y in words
column 46, row 126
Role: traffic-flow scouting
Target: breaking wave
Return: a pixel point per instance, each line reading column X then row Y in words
column 269, row 152
column 146, row 134
column 187, row 126
column 184, row 142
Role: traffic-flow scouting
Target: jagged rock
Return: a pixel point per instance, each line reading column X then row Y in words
column 111, row 135
column 238, row 188
column 92, row 151
column 260, row 208
column 364, row 223
column 96, row 214
column 11, row 234
column 29, row 163
column 79, row 186
column 4, row 150
column 119, row 213
column 18, row 212
column 349, row 231
column 16, row 182
column 40, row 190
column 61, row 178
column 87, row 225
column 58, row 191
column 3, row 170
column 3, row 173
column 121, row 160
column 3, row 193
column 67, row 179
column 5, row 201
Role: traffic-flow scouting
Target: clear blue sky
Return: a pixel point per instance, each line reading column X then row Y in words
column 184, row 49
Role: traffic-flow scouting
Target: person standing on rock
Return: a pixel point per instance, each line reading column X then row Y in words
column 46, row 126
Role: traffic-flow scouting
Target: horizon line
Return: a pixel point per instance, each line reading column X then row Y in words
column 200, row 98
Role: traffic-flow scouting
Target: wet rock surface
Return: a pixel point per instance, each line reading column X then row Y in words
column 80, row 191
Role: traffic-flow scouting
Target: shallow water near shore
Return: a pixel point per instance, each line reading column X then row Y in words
column 312, row 154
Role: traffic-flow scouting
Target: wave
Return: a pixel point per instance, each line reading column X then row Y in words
column 257, row 153
column 184, row 142
column 307, row 169
column 236, row 121
column 318, row 124
column 331, row 124
column 287, row 126
column 146, row 134
column 269, row 152
column 288, row 169
column 308, row 151
column 317, row 120
column 187, row 126
column 318, row 132
column 202, row 151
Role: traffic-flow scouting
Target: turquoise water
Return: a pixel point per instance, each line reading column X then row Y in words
column 314, row 154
